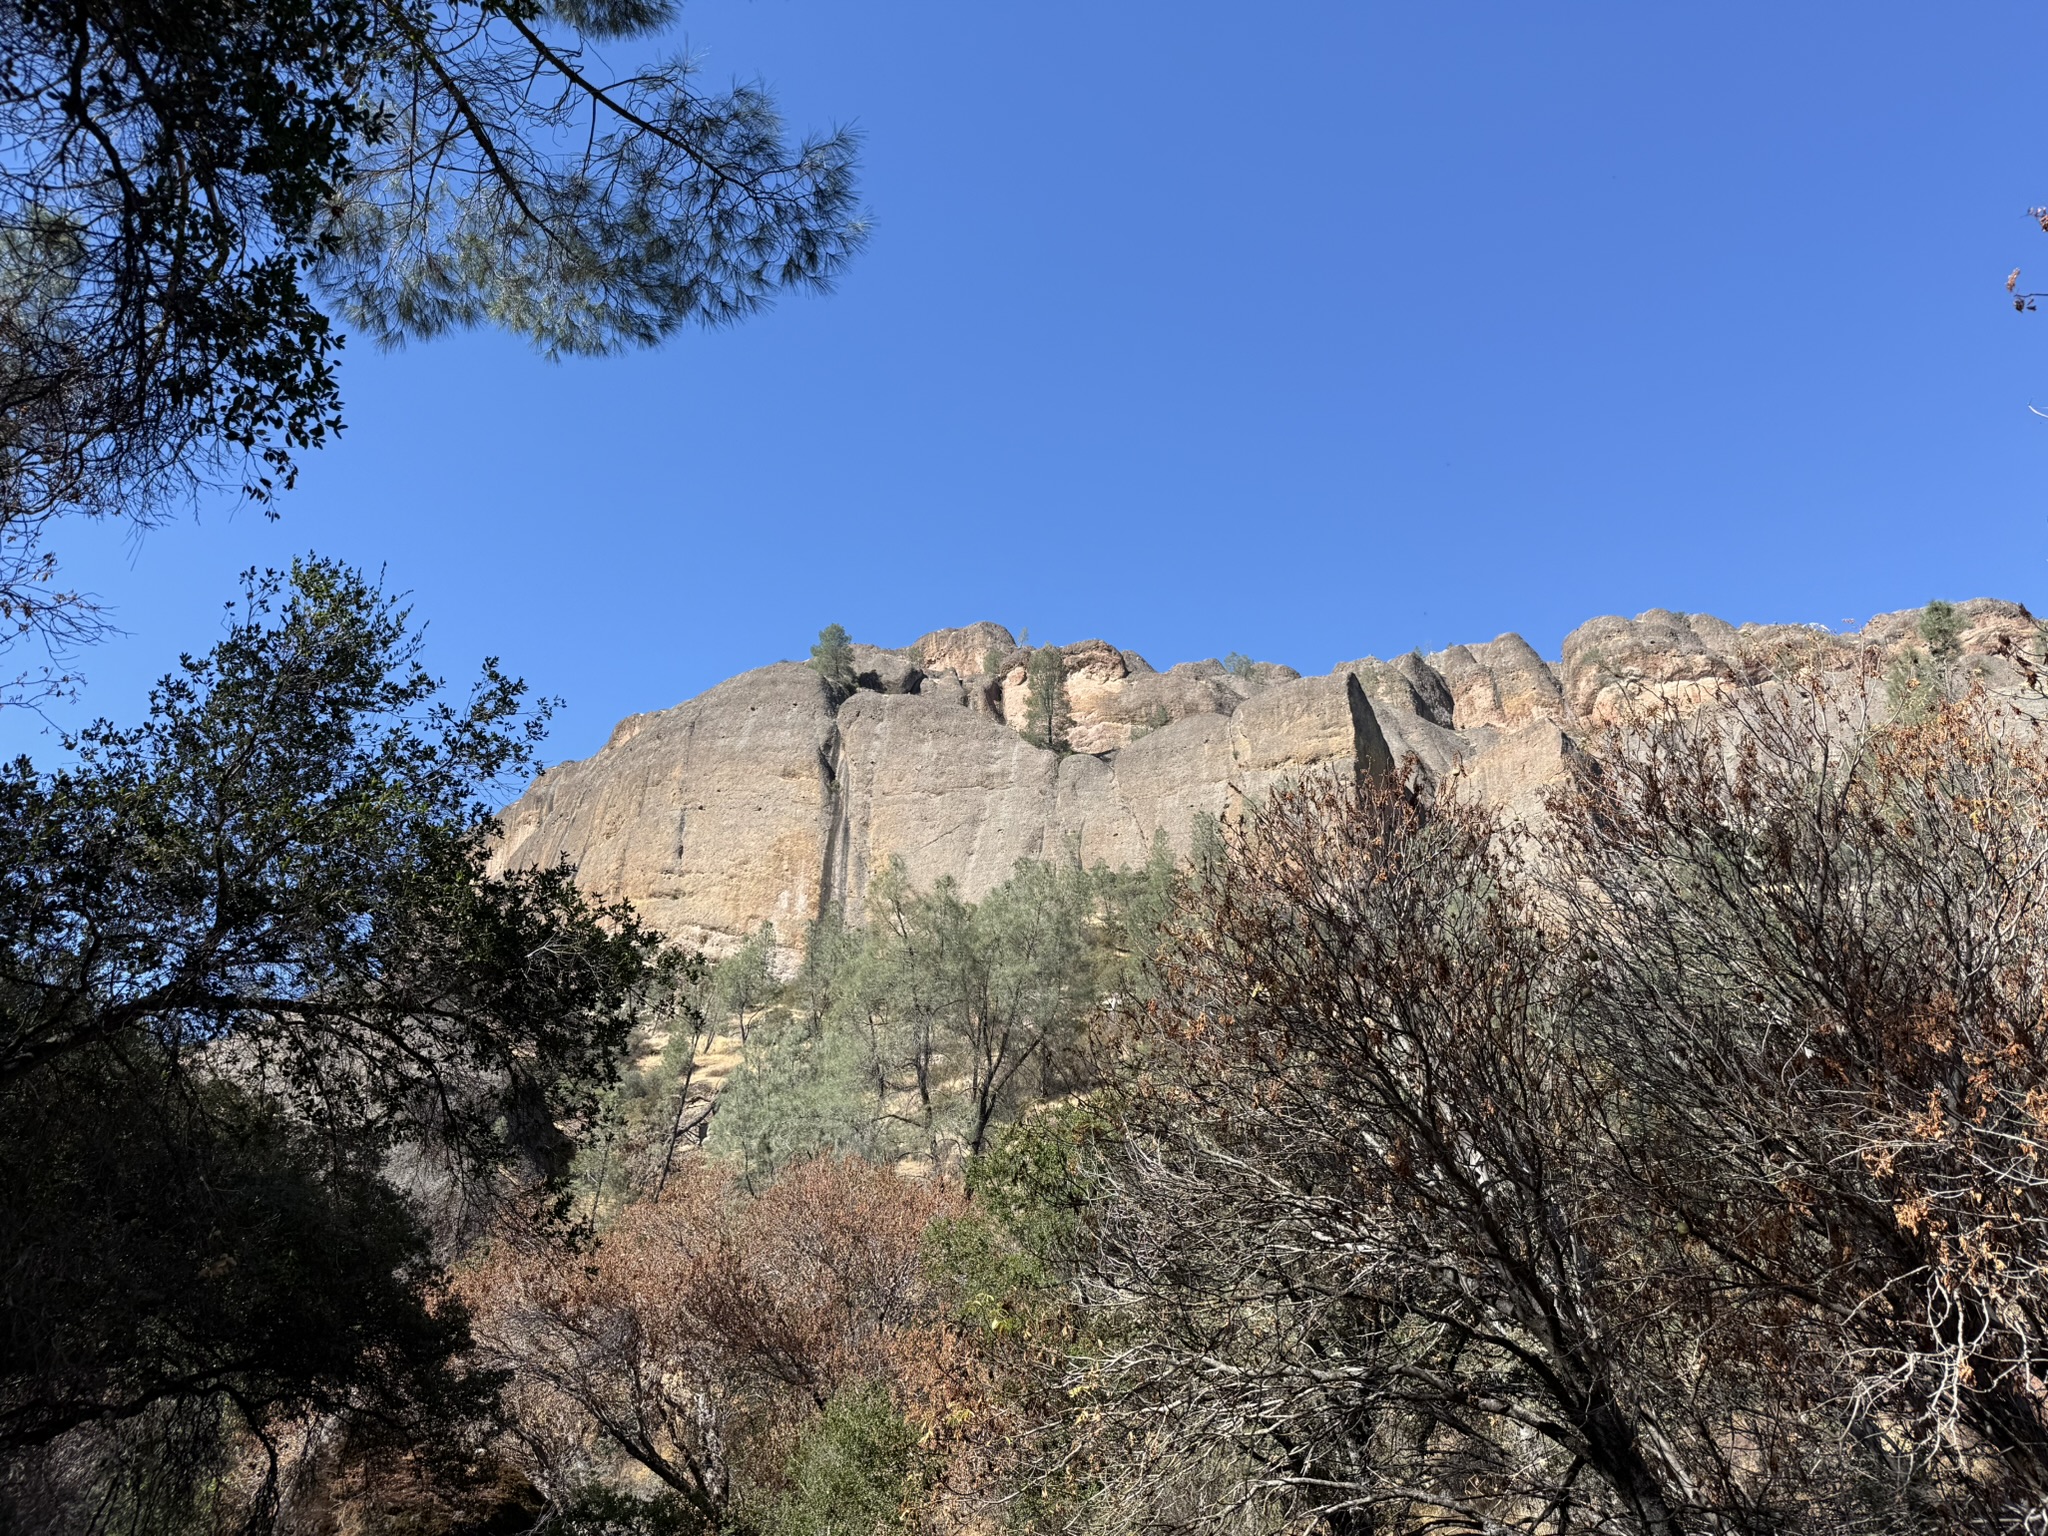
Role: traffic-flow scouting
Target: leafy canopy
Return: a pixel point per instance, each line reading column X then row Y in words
column 288, row 856
column 269, row 1029
column 194, row 191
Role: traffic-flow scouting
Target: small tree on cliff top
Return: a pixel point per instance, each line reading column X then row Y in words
column 832, row 657
column 1048, row 717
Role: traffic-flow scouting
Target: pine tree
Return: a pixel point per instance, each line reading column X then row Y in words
column 182, row 240
column 1941, row 626
column 1048, row 717
column 832, row 657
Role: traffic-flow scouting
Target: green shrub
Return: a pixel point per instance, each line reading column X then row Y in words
column 851, row 1473
column 798, row 1092
column 595, row 1510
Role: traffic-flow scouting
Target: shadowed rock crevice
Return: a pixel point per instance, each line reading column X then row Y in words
column 833, row 864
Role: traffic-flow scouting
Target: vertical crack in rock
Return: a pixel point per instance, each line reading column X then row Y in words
column 832, row 866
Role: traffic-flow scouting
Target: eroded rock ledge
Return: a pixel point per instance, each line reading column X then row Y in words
column 761, row 800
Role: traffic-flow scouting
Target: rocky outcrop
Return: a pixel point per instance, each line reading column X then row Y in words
column 1502, row 682
column 767, row 798
column 713, row 817
column 1116, row 696
column 964, row 652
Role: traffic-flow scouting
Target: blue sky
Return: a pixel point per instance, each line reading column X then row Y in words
column 1300, row 329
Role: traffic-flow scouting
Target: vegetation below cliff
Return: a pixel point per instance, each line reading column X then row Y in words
column 1665, row 1160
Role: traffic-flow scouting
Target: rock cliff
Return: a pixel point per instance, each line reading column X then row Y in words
column 767, row 797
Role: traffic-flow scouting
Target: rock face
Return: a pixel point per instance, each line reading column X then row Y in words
column 713, row 817
column 767, row 798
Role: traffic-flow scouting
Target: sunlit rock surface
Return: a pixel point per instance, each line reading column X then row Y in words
column 763, row 801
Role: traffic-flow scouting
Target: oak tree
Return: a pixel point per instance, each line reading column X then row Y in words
column 273, row 1037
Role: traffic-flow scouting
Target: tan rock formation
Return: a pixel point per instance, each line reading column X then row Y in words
column 963, row 652
column 1503, row 682
column 758, row 801
column 713, row 817
column 1669, row 656
column 1516, row 769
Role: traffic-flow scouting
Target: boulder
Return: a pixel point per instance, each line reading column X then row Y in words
column 1284, row 731
column 1113, row 702
column 1517, row 771
column 882, row 671
column 1657, row 658
column 962, row 652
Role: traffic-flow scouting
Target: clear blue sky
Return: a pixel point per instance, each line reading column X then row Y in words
column 1302, row 329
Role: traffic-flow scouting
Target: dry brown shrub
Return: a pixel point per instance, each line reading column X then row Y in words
column 1676, row 1167
column 691, row 1341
